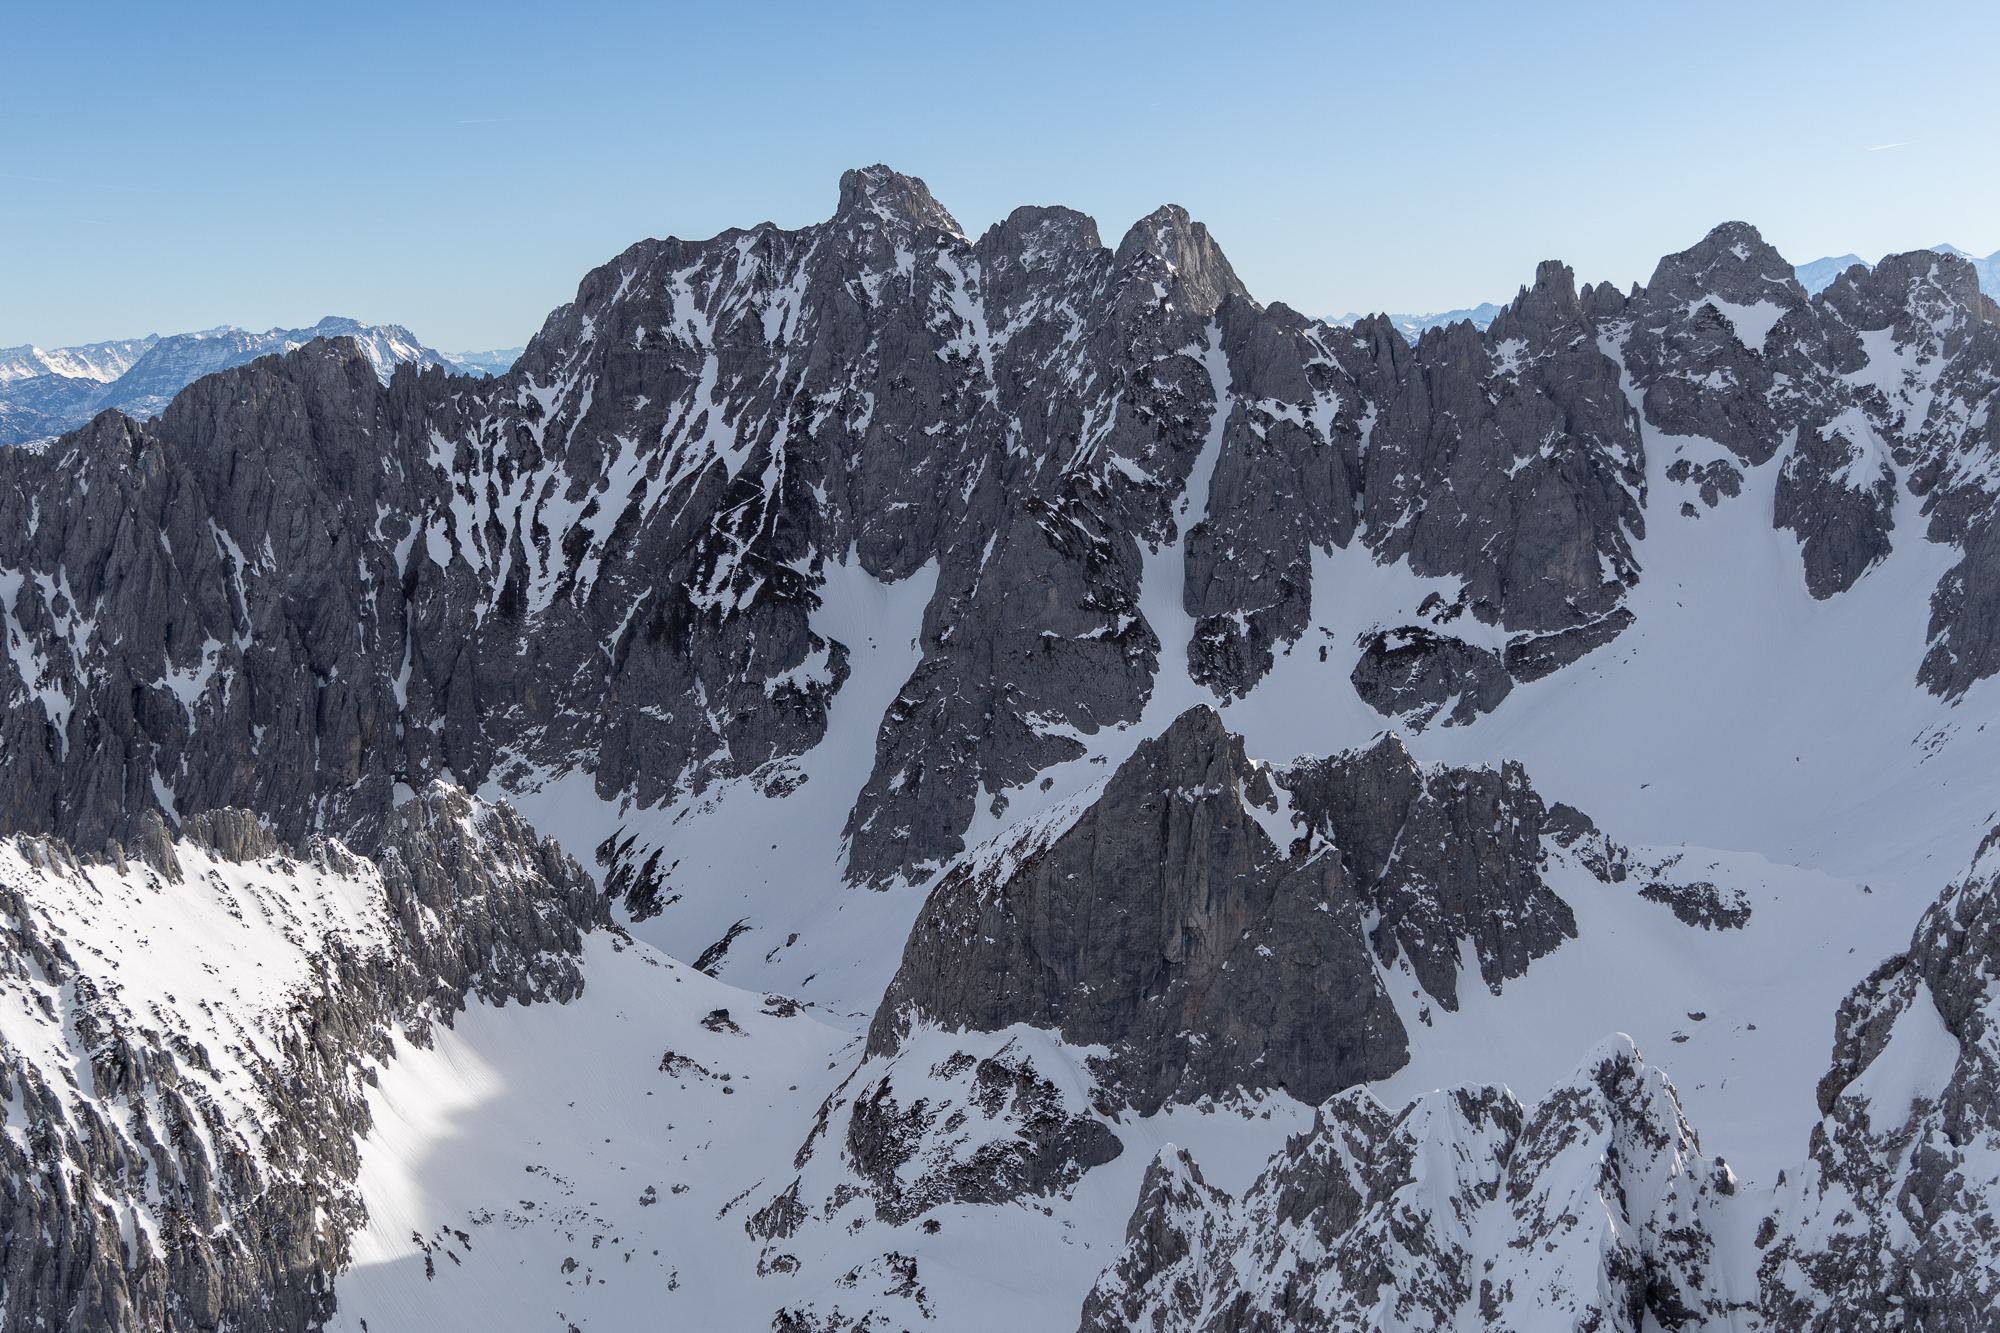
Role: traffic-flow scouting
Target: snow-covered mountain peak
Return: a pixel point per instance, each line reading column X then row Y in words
column 44, row 393
column 97, row 362
column 891, row 617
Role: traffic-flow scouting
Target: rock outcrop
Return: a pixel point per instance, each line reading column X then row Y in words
column 1890, row 1224
column 1590, row 1210
column 1205, row 919
column 971, row 1129
column 190, row 1033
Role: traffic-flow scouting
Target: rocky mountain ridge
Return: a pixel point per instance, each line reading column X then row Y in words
column 889, row 609
column 1587, row 1210
column 639, row 505
column 1818, row 274
column 102, row 362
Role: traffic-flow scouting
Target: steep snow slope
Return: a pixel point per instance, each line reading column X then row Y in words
column 189, row 1036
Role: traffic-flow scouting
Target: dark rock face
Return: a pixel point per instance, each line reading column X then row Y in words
column 1598, row 1198
column 1843, row 528
column 1701, row 904
column 1177, row 1236
column 1532, row 656
column 1891, row 1224
column 1512, row 460
column 156, row 1192
column 1073, row 438
column 1167, row 924
column 1287, row 478
column 1698, row 338
column 1412, row 673
column 1711, row 480
column 298, row 587
column 487, row 909
column 1029, row 1143
column 1446, row 856
column 1509, row 459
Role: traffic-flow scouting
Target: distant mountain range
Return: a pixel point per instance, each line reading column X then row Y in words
column 1413, row 326
column 1819, row 275
column 44, row 393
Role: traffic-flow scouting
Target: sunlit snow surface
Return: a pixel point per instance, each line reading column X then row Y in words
column 1777, row 745
column 551, row 1133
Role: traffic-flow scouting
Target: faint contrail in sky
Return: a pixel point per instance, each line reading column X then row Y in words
column 1904, row 144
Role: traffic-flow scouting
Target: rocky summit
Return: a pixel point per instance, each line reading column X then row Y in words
column 884, row 779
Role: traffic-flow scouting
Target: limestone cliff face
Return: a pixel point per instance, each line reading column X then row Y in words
column 299, row 586
column 1167, row 924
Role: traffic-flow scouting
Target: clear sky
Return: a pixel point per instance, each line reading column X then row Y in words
column 457, row 168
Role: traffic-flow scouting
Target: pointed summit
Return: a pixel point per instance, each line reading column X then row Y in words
column 902, row 201
column 1733, row 262
column 1189, row 251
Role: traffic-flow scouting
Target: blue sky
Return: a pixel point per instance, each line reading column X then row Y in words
column 457, row 168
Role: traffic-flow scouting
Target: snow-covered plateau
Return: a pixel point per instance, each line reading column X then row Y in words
column 881, row 779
